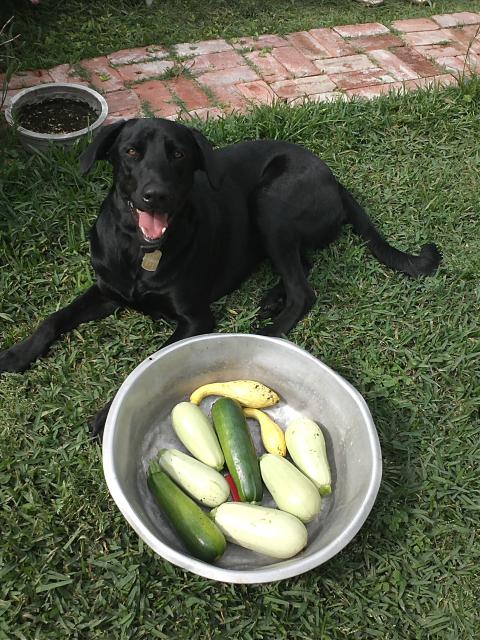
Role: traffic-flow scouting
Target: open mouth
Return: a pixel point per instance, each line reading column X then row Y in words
column 152, row 224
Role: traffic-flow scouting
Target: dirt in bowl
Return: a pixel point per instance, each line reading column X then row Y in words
column 56, row 116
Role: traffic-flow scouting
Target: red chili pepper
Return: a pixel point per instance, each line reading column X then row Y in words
column 233, row 488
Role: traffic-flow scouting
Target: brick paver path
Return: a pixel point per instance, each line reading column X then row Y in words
column 214, row 77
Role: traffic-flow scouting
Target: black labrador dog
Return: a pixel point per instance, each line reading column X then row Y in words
column 183, row 225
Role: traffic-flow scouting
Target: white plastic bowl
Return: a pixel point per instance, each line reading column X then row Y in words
column 139, row 424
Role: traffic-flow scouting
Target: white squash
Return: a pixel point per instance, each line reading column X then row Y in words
column 197, row 434
column 262, row 529
column 306, row 446
column 200, row 481
column 292, row 491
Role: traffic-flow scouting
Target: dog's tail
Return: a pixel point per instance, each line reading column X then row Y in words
column 422, row 265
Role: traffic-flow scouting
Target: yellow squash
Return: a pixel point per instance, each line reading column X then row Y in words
column 248, row 393
column 273, row 437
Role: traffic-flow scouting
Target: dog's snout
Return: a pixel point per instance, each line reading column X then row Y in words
column 152, row 196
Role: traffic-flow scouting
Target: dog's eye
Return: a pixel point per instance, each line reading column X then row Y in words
column 133, row 153
column 178, row 154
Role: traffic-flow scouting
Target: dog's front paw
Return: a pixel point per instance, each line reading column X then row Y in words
column 12, row 361
column 98, row 423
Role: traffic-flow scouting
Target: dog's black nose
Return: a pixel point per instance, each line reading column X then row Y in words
column 149, row 196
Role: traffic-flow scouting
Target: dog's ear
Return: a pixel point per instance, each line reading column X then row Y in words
column 208, row 159
column 100, row 146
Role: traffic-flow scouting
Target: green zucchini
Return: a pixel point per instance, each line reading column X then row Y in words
column 238, row 449
column 197, row 531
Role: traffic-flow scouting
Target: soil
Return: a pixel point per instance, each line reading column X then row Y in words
column 56, row 115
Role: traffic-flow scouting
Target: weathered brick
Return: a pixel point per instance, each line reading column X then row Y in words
column 414, row 24
column 144, row 70
column 420, row 38
column 215, row 61
column 294, row 61
column 226, row 77
column 261, row 42
column 310, row 46
column 357, row 30
column 417, row 62
column 329, row 96
column 335, row 46
column 269, row 68
column 102, row 75
column 399, row 69
column 157, row 96
column 25, row 79
column 370, row 43
column 257, row 92
column 346, row 64
column 457, row 19
column 300, row 87
column 200, row 48
column 455, row 64
column 138, row 54
column 436, row 51
column 467, row 37
column 124, row 102
column 363, row 78
column 67, row 73
column 189, row 93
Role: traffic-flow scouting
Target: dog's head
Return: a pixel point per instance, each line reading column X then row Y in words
column 154, row 162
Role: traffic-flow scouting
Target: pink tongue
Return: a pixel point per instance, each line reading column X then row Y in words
column 153, row 225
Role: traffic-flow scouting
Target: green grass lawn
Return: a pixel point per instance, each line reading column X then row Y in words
column 70, row 567
column 57, row 31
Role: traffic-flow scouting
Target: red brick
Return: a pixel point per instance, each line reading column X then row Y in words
column 357, row 30
column 415, row 24
column 369, row 43
column 158, row 97
column 268, row 67
column 455, row 64
column 99, row 68
column 399, row 69
column 421, row 38
column 319, row 43
column 227, row 77
column 257, row 92
column 420, row 83
column 457, row 19
column 230, row 99
column 216, row 61
column 344, row 65
column 301, row 87
column 200, row 48
column 373, row 91
column 363, row 78
column 466, row 37
column 417, row 62
column 260, row 42
column 144, row 70
column 190, row 94
column 67, row 73
column 24, row 79
column 124, row 102
column 139, row 54
column 334, row 45
column 294, row 61
column 436, row 51
column 329, row 96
